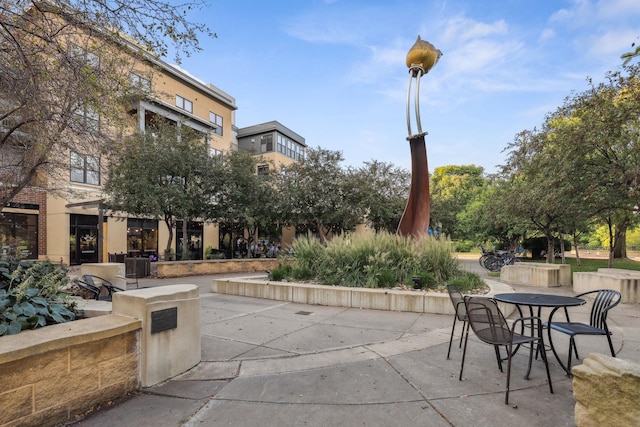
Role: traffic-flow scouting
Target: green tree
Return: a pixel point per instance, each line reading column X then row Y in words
column 380, row 190
column 248, row 199
column 317, row 197
column 605, row 121
column 581, row 165
column 165, row 173
column 452, row 189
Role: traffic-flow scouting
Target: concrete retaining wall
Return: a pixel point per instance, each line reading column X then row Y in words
column 50, row 375
column 339, row 296
column 203, row 267
column 627, row 282
column 537, row 274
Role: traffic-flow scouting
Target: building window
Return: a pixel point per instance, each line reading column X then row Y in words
column 263, row 169
column 142, row 237
column 217, row 120
column 88, row 117
column 266, row 142
column 140, row 82
column 18, row 236
column 184, row 103
column 86, row 57
column 85, row 169
column 214, row 152
column 289, row 148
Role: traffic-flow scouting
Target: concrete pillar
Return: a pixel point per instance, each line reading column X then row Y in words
column 170, row 337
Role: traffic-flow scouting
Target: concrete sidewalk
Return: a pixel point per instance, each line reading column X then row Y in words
column 269, row 363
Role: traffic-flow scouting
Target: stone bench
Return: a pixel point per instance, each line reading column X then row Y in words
column 627, row 282
column 537, row 274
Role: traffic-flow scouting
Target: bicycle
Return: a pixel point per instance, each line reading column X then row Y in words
column 484, row 255
column 496, row 260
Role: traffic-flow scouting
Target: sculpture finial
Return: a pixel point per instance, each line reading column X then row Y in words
column 423, row 54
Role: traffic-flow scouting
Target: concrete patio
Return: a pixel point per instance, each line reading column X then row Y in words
column 268, row 363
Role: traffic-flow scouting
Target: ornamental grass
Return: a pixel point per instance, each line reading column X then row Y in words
column 375, row 260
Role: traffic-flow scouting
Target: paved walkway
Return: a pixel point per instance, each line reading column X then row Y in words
column 269, row 363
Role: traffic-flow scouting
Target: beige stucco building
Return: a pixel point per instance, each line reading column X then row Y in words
column 72, row 227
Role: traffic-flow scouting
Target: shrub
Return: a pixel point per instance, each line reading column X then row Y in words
column 280, row 273
column 467, row 281
column 465, row 246
column 427, row 280
column 31, row 296
column 374, row 260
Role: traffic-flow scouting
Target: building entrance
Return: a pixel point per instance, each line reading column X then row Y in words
column 83, row 239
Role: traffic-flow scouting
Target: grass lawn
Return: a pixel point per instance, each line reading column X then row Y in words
column 593, row 264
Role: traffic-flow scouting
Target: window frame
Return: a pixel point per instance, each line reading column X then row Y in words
column 140, row 82
column 79, row 165
column 218, row 121
column 182, row 103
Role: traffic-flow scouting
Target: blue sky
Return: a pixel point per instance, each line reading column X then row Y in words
column 334, row 70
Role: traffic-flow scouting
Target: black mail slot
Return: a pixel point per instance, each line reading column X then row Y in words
column 164, row 320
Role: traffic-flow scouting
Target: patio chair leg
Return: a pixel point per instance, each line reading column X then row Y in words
column 464, row 325
column 498, row 358
column 451, row 338
column 613, row 353
column 464, row 353
column 506, row 396
column 572, row 345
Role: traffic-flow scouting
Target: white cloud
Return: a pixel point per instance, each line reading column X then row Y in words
column 459, row 29
column 611, row 42
column 546, row 34
column 616, row 9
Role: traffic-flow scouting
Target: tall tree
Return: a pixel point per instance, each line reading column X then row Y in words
column 380, row 190
column 165, row 173
column 64, row 77
column 316, row 196
column 247, row 200
column 452, row 189
column 605, row 121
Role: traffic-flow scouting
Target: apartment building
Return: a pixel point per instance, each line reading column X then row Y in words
column 274, row 142
column 279, row 146
column 73, row 227
column 72, row 224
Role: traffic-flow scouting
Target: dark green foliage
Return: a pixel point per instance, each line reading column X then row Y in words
column 538, row 245
column 465, row 245
column 426, row 279
column 281, row 273
column 467, row 282
column 301, row 273
column 31, row 296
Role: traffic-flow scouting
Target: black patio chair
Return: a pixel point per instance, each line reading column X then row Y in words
column 103, row 284
column 92, row 290
column 490, row 326
column 605, row 300
column 460, row 313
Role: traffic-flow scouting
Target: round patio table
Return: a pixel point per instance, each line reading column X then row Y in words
column 539, row 300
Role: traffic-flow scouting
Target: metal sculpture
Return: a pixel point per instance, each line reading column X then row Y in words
column 415, row 220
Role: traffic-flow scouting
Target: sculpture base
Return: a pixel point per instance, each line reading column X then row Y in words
column 415, row 219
